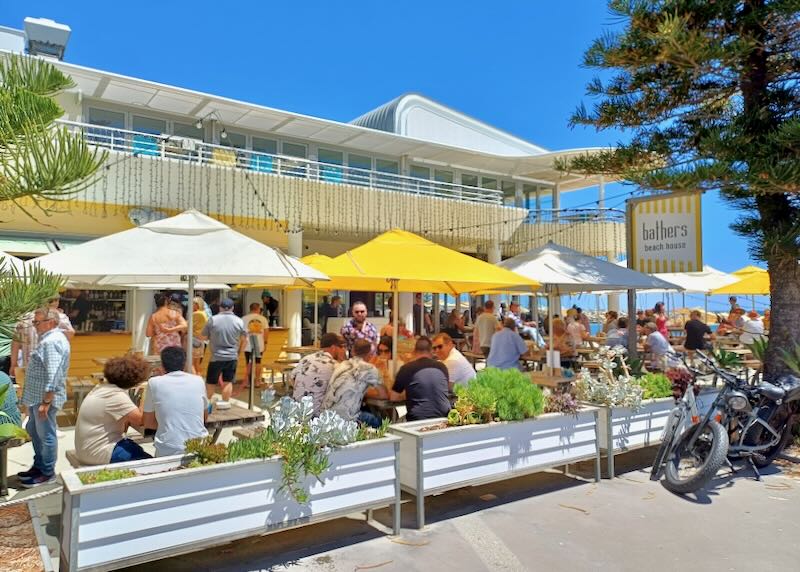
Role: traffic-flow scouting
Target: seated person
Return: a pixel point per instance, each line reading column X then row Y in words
column 657, row 346
column 107, row 412
column 507, row 347
column 563, row 343
column 696, row 332
column 9, row 405
column 526, row 329
column 458, row 367
column 612, row 321
column 753, row 329
column 424, row 384
column 383, row 361
column 454, row 326
column 175, row 405
column 349, row 382
column 312, row 373
column 388, row 329
column 618, row 335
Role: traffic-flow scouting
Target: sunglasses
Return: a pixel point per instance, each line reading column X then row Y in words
column 439, row 347
column 383, row 351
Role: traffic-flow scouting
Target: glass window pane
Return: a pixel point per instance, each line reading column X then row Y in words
column 420, row 172
column 294, row 150
column 360, row 165
column 359, row 161
column 469, row 180
column 237, row 140
column 443, row 176
column 384, row 166
column 328, row 156
column 149, row 125
column 106, row 118
column 186, row 130
column 265, row 145
column 488, row 183
column 508, row 187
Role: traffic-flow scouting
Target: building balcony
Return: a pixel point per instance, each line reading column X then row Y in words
column 596, row 232
column 172, row 147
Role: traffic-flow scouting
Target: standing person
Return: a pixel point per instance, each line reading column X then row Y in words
column 486, row 325
column 175, row 405
column 576, row 330
column 270, row 307
column 44, row 394
column 660, row 316
column 107, row 412
column 733, row 302
column 80, row 310
column 225, row 331
column 330, row 311
column 696, row 331
column 64, row 323
column 583, row 319
column 312, row 373
column 424, row 384
column 358, row 328
column 459, row 370
column 418, row 309
column 23, row 343
column 165, row 326
column 199, row 319
column 350, row 381
column 507, row 347
column 256, row 325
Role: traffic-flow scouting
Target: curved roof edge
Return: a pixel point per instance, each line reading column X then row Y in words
column 394, row 117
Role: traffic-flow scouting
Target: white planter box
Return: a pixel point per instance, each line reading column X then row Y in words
column 432, row 462
column 109, row 525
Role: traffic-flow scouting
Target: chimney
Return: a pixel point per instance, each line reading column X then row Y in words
column 46, row 38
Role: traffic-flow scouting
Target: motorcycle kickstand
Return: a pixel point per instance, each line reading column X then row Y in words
column 733, row 469
column 755, row 469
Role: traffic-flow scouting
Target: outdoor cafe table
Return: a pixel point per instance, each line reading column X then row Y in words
column 234, row 417
column 302, row 350
column 551, row 381
column 387, row 408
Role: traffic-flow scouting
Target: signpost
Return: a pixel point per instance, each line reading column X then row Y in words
column 663, row 234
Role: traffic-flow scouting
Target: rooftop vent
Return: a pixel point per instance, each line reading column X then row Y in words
column 46, row 37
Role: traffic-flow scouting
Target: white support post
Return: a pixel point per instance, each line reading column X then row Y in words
column 294, row 298
column 406, row 308
column 143, row 306
column 494, row 257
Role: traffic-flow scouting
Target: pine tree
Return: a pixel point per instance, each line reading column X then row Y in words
column 709, row 91
column 40, row 164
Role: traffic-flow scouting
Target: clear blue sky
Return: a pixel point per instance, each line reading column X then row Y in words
column 515, row 65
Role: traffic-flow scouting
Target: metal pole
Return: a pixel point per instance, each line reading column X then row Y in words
column 254, row 355
column 705, row 305
column 632, row 339
column 316, row 316
column 395, row 325
column 550, row 302
column 191, row 281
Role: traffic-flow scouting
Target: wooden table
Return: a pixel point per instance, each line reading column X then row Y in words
column 586, row 351
column 473, row 357
column 233, row 417
column 387, row 407
column 302, row 350
column 154, row 361
column 590, row 364
column 552, row 381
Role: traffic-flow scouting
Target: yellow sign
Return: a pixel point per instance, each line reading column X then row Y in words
column 665, row 233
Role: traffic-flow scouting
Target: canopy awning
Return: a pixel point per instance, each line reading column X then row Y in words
column 755, row 283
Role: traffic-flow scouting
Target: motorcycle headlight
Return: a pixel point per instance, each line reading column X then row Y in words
column 738, row 401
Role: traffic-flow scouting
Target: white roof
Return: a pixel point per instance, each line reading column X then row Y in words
column 567, row 271
column 163, row 98
column 164, row 251
column 12, row 262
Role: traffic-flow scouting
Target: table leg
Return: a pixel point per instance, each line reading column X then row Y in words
column 3, row 470
column 217, row 433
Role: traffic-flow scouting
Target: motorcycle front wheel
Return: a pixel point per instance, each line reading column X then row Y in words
column 674, row 424
column 689, row 470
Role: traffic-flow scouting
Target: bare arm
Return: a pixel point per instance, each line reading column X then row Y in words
column 149, row 420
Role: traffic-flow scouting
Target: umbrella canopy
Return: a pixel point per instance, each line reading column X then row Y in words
column 568, row 271
column 699, row 282
column 12, row 262
column 188, row 244
column 747, row 270
column 417, row 265
column 755, row 283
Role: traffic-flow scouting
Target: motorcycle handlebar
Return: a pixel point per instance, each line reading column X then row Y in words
column 732, row 379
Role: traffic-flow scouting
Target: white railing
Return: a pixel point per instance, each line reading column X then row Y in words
column 194, row 150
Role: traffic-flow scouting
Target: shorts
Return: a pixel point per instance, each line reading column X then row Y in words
column 248, row 355
column 197, row 353
column 226, row 368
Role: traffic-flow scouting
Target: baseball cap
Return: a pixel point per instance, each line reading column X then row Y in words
column 226, row 303
column 266, row 293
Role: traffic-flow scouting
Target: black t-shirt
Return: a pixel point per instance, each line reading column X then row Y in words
column 81, row 304
column 425, row 382
column 695, row 330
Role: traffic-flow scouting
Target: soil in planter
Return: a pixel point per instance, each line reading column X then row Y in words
column 18, row 545
column 435, row 427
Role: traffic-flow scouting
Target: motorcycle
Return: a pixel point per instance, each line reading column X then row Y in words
column 751, row 422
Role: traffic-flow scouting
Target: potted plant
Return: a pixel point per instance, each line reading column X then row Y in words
column 495, row 431
column 298, row 470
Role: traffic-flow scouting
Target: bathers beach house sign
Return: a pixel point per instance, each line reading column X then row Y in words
column 665, row 233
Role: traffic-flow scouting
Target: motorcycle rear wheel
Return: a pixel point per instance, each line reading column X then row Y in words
column 690, row 470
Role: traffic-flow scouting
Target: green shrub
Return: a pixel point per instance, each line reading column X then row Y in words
column 495, row 394
column 655, row 386
column 106, row 475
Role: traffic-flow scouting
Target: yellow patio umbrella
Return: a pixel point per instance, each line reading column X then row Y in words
column 754, row 283
column 401, row 261
column 748, row 270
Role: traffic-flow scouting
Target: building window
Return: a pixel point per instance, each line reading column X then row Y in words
column 329, row 172
column 235, row 140
column 389, row 167
column 443, row 176
column 187, row 130
column 420, row 172
column 262, row 159
column 149, row 125
column 359, row 165
column 469, row 180
column 145, row 144
column 488, row 183
column 107, row 133
column 293, row 168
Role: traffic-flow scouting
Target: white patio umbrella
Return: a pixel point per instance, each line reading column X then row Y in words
column 565, row 271
column 187, row 248
column 13, row 262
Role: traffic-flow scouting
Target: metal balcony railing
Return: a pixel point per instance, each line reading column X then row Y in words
column 572, row 216
column 172, row 147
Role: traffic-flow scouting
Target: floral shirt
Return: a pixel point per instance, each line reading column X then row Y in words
column 349, row 381
column 311, row 375
column 351, row 333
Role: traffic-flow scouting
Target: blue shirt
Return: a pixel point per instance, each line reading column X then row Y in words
column 9, row 405
column 47, row 370
column 506, row 348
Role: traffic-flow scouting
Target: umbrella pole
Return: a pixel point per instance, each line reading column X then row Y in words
column 395, row 329
column 191, row 280
column 753, row 301
column 316, row 316
column 705, row 304
column 551, row 351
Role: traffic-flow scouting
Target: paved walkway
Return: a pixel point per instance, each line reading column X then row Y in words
column 539, row 522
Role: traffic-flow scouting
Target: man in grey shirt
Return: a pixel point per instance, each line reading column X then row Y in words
column 227, row 335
